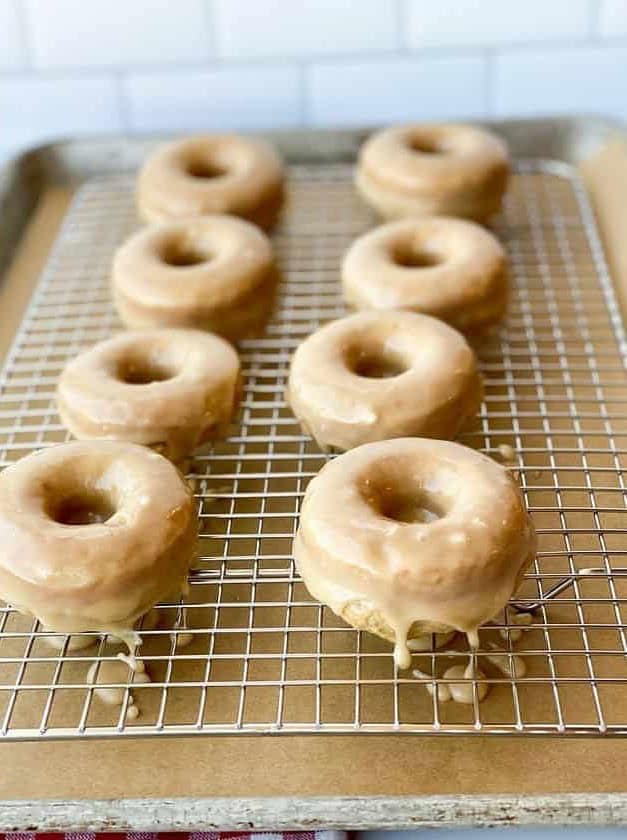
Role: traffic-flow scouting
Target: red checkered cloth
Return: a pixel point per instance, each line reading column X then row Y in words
column 178, row 835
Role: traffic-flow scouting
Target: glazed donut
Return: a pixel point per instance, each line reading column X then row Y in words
column 449, row 268
column 215, row 272
column 168, row 389
column 411, row 536
column 216, row 173
column 93, row 534
column 377, row 375
column 430, row 170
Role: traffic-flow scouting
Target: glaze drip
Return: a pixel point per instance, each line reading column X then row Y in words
column 511, row 665
column 102, row 672
column 180, row 638
column 523, row 621
column 396, row 576
column 402, row 654
column 464, row 692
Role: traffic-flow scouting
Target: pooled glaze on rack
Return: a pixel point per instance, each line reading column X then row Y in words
column 411, row 536
column 450, row 689
column 474, row 684
column 523, row 621
column 510, row 664
column 442, row 689
column 507, row 452
column 106, row 671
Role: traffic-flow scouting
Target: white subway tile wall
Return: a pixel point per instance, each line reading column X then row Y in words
column 12, row 53
column 495, row 22
column 298, row 28
column 229, row 98
column 613, row 19
column 379, row 91
column 49, row 108
column 116, row 33
column 72, row 66
column 578, row 80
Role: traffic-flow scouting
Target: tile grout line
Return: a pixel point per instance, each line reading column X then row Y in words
column 217, row 63
column 594, row 22
column 210, row 17
column 21, row 15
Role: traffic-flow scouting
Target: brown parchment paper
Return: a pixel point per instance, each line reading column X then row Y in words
column 605, row 176
column 294, row 765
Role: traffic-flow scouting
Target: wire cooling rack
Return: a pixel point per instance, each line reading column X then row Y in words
column 264, row 656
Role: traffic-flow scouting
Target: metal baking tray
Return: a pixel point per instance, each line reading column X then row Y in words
column 266, row 658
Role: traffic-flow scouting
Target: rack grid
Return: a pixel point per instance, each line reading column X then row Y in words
column 265, row 657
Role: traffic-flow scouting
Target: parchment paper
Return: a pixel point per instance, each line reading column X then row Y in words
column 312, row 765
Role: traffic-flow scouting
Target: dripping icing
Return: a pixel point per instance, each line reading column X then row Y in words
column 180, row 637
column 114, row 671
column 402, row 653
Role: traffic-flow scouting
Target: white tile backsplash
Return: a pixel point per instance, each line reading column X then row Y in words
column 350, row 93
column 613, row 18
column 244, row 98
column 562, row 81
column 94, row 33
column 187, row 65
column 34, row 110
column 255, row 28
column 12, row 54
column 439, row 23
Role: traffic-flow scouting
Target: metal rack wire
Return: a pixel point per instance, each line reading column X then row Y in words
column 264, row 656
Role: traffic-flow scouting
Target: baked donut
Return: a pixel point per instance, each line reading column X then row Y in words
column 430, row 170
column 377, row 375
column 214, row 173
column 411, row 536
column 169, row 389
column 449, row 268
column 93, row 534
column 214, row 272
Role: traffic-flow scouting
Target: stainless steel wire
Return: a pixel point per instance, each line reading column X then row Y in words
column 264, row 656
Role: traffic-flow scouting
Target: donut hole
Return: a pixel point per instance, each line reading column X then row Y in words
column 205, row 169
column 426, row 146
column 411, row 255
column 143, row 371
column 180, row 253
column 84, row 507
column 375, row 362
column 407, row 504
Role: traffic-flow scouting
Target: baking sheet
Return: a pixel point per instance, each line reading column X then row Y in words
column 312, row 765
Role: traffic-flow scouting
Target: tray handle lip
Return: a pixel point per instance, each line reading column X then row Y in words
column 274, row 813
column 51, row 146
